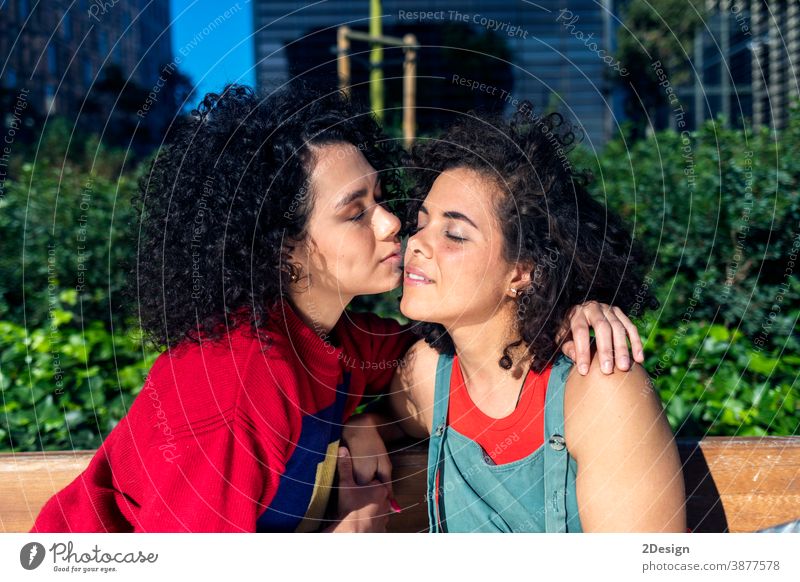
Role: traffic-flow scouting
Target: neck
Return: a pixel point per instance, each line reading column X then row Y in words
column 318, row 310
column 479, row 347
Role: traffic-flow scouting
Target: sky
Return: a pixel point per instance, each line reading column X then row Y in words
column 213, row 40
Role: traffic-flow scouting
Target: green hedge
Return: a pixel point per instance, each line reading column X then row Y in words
column 723, row 349
column 66, row 224
column 714, row 381
column 719, row 212
column 65, row 387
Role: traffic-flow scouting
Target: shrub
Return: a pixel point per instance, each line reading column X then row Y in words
column 66, row 387
column 719, row 212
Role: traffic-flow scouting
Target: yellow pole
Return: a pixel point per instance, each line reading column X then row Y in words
column 343, row 62
column 410, row 90
column 376, row 60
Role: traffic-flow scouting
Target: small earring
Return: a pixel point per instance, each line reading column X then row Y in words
column 293, row 277
column 513, row 291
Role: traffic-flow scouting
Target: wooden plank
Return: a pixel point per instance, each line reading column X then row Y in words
column 409, row 471
column 28, row 480
column 732, row 484
column 741, row 484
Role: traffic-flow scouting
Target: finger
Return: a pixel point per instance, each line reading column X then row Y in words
column 564, row 330
column 379, row 494
column 385, row 473
column 620, row 337
column 633, row 335
column 568, row 348
column 580, row 335
column 344, row 464
column 604, row 339
column 381, row 489
column 364, row 470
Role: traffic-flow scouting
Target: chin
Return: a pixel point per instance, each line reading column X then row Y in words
column 416, row 309
column 381, row 283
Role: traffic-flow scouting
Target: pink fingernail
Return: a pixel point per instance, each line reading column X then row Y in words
column 394, row 505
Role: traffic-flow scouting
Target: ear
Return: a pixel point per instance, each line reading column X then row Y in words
column 290, row 255
column 520, row 279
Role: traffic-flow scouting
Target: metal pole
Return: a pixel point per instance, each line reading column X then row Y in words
column 376, row 60
column 725, row 66
column 343, row 60
column 410, row 90
column 699, row 102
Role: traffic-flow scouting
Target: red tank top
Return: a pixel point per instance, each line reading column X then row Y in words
column 505, row 439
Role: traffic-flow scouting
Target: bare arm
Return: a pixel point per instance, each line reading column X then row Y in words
column 406, row 411
column 411, row 391
column 629, row 472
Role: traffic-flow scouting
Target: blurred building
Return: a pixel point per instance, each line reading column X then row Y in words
column 64, row 53
column 556, row 53
column 746, row 58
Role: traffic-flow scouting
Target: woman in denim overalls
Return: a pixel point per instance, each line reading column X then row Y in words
column 507, row 239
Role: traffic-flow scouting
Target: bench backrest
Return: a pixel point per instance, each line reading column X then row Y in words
column 737, row 484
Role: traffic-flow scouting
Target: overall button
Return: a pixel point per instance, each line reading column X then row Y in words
column 558, row 442
column 440, row 430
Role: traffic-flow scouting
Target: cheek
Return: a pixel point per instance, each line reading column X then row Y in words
column 471, row 278
column 352, row 247
column 463, row 268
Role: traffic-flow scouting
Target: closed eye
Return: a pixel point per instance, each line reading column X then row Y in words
column 379, row 201
column 358, row 217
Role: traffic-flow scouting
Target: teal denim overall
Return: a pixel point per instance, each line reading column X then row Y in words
column 533, row 494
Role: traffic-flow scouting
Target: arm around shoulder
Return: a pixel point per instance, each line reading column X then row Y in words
column 629, row 471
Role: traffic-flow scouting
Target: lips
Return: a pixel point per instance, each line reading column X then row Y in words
column 416, row 276
column 394, row 256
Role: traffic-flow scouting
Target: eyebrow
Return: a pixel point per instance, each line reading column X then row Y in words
column 453, row 215
column 355, row 195
column 352, row 197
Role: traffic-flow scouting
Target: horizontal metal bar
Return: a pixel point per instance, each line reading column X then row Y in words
column 391, row 40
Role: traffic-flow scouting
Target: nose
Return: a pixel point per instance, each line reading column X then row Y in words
column 387, row 225
column 417, row 245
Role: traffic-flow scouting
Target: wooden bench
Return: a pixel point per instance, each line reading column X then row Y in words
column 732, row 484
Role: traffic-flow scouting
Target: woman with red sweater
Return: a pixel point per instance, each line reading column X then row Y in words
column 259, row 222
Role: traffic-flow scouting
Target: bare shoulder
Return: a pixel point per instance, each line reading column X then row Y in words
column 413, row 388
column 419, row 372
column 629, row 470
column 606, row 408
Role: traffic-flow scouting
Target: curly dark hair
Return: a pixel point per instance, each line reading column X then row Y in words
column 223, row 199
column 580, row 251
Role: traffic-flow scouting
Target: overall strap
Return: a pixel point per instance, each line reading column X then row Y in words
column 556, row 457
column 441, row 398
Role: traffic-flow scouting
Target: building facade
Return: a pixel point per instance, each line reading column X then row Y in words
column 746, row 60
column 56, row 51
column 473, row 53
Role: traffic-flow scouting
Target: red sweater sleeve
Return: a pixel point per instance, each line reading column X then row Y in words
column 216, row 481
column 192, row 454
column 219, row 480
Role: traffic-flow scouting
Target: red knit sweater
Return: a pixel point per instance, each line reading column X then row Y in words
column 234, row 435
